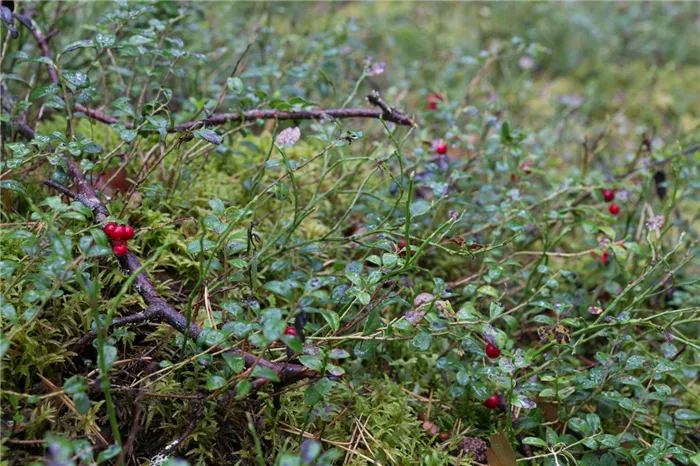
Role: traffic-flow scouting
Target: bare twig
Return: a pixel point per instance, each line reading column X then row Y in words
column 689, row 151
column 386, row 113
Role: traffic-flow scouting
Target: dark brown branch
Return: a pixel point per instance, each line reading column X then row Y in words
column 151, row 314
column 385, row 112
column 689, row 151
column 60, row 188
column 158, row 309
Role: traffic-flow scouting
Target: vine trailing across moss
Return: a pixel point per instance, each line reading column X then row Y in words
column 216, row 248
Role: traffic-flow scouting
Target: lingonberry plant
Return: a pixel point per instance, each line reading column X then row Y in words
column 317, row 277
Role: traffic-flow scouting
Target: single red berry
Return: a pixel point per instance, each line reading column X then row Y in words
column 433, row 101
column 128, row 232
column 119, row 233
column 614, row 209
column 513, row 178
column 400, row 248
column 608, row 195
column 526, row 168
column 491, row 402
column 119, row 249
column 109, row 229
column 442, row 149
column 291, row 331
column 492, row 351
column 604, row 257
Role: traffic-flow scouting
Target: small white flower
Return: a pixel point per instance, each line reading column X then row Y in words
column 288, row 137
column 656, row 223
column 526, row 63
column 376, row 68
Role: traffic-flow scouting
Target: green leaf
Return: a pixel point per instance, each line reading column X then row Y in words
column 215, row 382
column 390, row 260
column 195, row 247
column 7, row 310
column 76, row 79
column 488, row 291
column 234, row 361
column 235, row 85
column 419, row 207
column 335, row 370
column 331, row 317
column 495, row 310
column 338, row 353
column 40, row 92
column 7, row 267
column 81, row 44
column 590, row 443
column 242, row 389
column 110, row 452
column 273, row 324
column 13, row 185
column 266, row 373
column 110, row 355
column 217, row 206
column 686, row 415
column 552, row 437
column 293, row 342
column 311, row 396
column 312, row 362
column 538, row 442
column 607, row 440
column 280, row 288
column 208, row 135
column 82, row 402
column 463, row 377
column 4, row 346
column 422, row 341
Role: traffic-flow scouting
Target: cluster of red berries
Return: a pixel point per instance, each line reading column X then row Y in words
column 609, row 196
column 492, row 351
column 120, row 234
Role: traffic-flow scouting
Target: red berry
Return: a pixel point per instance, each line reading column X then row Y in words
column 492, row 351
column 526, row 168
column 119, row 249
column 119, row 232
column 109, row 229
column 433, row 101
column 614, row 209
column 604, row 257
column 442, row 149
column 400, row 248
column 513, row 178
column 608, row 195
column 291, row 331
column 128, row 232
column 491, row 402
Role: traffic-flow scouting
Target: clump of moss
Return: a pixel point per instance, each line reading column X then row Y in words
column 385, row 410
